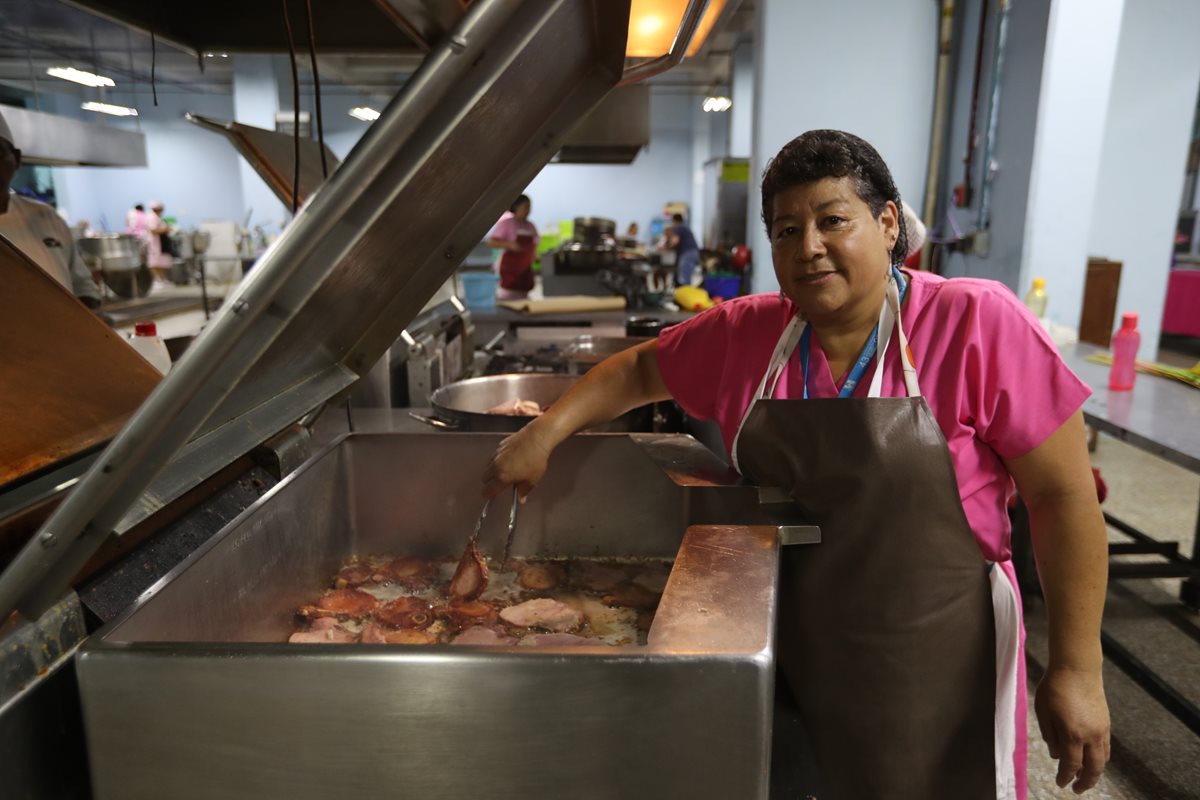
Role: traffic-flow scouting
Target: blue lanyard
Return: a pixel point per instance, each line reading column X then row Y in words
column 864, row 358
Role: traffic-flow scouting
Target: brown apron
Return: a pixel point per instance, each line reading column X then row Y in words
column 886, row 630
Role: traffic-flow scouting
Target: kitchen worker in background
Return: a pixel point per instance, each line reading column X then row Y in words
column 517, row 239
column 135, row 221
column 158, row 245
column 900, row 634
column 37, row 230
column 679, row 237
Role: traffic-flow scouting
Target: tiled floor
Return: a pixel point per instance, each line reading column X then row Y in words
column 1155, row 757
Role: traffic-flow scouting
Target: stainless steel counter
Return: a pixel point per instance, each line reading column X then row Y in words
column 503, row 320
column 1159, row 416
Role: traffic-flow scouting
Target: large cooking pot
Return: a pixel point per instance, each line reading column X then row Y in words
column 463, row 405
column 118, row 257
column 594, row 231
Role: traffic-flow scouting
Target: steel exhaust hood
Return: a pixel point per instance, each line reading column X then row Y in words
column 57, row 141
column 614, row 132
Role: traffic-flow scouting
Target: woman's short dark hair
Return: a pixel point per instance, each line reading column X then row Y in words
column 820, row 154
column 521, row 199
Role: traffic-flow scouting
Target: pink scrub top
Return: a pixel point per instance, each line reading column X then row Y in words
column 995, row 382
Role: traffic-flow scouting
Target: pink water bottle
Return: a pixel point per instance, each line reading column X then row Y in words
column 1124, row 349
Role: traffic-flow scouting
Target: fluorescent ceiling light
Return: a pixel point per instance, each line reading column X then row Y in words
column 79, row 76
column 109, row 108
column 717, row 104
column 365, row 113
column 654, row 23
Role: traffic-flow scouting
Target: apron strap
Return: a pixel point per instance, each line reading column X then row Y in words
column 889, row 317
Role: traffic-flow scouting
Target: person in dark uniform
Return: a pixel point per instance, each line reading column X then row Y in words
column 900, row 410
column 679, row 237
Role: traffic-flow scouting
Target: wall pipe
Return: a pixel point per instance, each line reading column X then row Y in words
column 989, row 148
column 938, row 134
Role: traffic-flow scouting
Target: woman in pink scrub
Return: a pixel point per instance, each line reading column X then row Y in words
column 517, row 239
column 901, row 410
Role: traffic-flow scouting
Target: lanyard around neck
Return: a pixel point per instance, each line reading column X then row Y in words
column 864, row 358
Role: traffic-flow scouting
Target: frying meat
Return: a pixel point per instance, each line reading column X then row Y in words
column 406, row 612
column 410, row 637
column 541, row 577
column 323, row 631
column 342, row 603
column 578, row 602
column 353, row 575
column 597, row 577
column 543, row 613
column 412, row 573
column 482, row 634
column 376, row 634
column 465, row 613
column 517, row 408
column 372, row 633
column 471, row 578
column 555, row 640
column 633, row 596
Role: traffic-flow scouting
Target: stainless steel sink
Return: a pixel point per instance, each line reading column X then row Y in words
column 195, row 694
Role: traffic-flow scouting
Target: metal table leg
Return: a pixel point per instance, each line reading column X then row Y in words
column 1189, row 592
column 203, row 288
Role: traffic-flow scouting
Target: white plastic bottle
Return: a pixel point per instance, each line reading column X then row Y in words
column 150, row 346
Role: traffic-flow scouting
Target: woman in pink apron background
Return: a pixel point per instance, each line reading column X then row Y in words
column 517, row 239
column 901, row 410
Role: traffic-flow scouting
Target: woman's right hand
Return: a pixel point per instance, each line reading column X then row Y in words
column 519, row 461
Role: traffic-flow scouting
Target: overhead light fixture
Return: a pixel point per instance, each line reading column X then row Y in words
column 109, row 108
column 216, row 55
column 79, row 76
column 365, row 113
column 717, row 103
column 654, row 23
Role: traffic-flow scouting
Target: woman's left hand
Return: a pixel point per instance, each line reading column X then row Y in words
column 1073, row 716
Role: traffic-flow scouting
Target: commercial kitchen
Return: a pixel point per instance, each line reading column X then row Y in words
column 600, row 399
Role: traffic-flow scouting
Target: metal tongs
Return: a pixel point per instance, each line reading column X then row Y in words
column 512, row 526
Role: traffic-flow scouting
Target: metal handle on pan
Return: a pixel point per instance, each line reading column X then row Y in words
column 683, row 40
column 433, row 421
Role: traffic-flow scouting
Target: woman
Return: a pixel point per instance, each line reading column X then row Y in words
column 517, row 239
column 158, row 256
column 900, row 633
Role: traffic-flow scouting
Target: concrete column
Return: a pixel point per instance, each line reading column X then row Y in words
column 859, row 65
column 1073, row 106
column 701, row 152
column 741, row 116
column 256, row 92
column 1146, row 136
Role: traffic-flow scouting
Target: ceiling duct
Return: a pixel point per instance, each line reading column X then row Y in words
column 384, row 26
column 53, row 140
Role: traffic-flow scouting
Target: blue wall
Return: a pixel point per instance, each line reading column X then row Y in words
column 861, row 66
column 662, row 172
column 193, row 171
column 196, row 173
